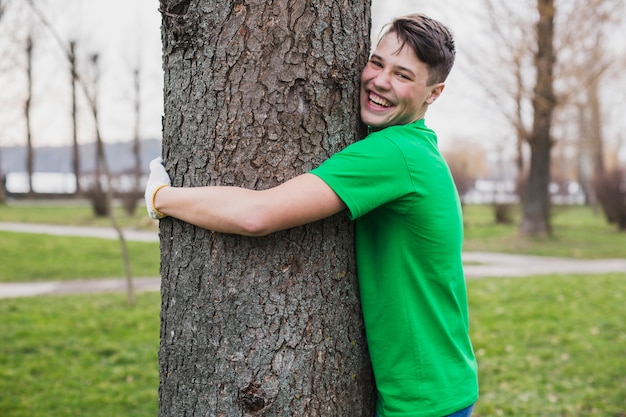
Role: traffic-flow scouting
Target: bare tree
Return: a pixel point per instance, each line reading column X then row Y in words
column 536, row 204
column 584, row 65
column 256, row 93
column 92, row 98
column 3, row 177
column 520, row 82
column 543, row 78
column 3, row 182
column 27, row 112
column 130, row 200
column 97, row 194
column 502, row 66
column 71, row 56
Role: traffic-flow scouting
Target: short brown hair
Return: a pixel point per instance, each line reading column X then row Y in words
column 431, row 41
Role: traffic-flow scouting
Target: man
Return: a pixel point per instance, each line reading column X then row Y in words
column 409, row 229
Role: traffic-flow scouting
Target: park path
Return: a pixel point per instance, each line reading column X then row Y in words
column 478, row 264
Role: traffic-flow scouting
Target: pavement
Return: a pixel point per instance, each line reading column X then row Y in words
column 81, row 231
column 477, row 264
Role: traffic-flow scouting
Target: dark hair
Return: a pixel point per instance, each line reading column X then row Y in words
column 431, row 40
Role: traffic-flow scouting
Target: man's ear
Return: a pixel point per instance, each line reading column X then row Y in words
column 435, row 92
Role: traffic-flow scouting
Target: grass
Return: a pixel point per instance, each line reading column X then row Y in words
column 578, row 232
column 547, row 346
column 71, row 212
column 28, row 257
column 550, row 345
column 86, row 356
column 33, row 257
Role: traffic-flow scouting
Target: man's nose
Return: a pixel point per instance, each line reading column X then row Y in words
column 383, row 80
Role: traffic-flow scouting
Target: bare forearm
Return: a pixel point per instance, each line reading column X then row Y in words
column 301, row 200
column 220, row 209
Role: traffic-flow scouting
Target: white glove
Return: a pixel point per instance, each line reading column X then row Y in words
column 158, row 179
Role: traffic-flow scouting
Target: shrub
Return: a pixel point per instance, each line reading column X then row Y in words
column 99, row 201
column 610, row 189
column 130, row 200
column 462, row 179
column 502, row 213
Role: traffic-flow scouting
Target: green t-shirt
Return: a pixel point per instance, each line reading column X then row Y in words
column 409, row 235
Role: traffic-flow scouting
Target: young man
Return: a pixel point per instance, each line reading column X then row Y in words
column 409, row 229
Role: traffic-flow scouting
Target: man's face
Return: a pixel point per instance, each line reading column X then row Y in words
column 393, row 86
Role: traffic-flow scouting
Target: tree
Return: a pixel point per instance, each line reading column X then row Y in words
column 527, row 102
column 102, row 199
column 27, row 113
column 256, row 93
column 585, row 66
column 136, row 192
column 71, row 57
column 579, row 65
column 510, row 46
column 536, row 204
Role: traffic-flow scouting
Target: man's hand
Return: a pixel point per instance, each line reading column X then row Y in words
column 158, row 179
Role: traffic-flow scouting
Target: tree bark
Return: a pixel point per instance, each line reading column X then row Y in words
column 536, row 205
column 257, row 92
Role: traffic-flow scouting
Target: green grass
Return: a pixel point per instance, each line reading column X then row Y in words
column 71, row 212
column 551, row 345
column 578, row 232
column 86, row 356
column 547, row 346
column 28, row 257
column 34, row 257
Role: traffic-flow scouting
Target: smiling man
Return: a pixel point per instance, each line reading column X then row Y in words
column 398, row 189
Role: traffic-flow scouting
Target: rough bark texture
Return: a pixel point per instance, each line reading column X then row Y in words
column 257, row 92
column 536, row 205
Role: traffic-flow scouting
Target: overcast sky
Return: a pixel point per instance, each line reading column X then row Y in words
column 126, row 36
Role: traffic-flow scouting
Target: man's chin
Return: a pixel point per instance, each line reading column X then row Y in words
column 374, row 122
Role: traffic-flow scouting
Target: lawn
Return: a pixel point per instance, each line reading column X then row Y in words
column 28, row 257
column 578, row 232
column 74, row 212
column 550, row 345
column 546, row 345
column 33, row 257
column 90, row 356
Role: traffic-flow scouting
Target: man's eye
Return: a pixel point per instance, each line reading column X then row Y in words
column 376, row 64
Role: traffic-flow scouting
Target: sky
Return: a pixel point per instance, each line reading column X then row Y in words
column 126, row 36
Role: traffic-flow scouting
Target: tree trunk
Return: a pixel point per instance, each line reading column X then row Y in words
column 536, row 204
column 30, row 158
column 257, row 92
column 596, row 144
column 75, row 147
column 3, row 183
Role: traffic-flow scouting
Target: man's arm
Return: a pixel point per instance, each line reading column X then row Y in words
column 301, row 200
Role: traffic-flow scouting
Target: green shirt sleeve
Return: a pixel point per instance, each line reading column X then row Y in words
column 367, row 174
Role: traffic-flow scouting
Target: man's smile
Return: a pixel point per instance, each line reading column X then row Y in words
column 378, row 101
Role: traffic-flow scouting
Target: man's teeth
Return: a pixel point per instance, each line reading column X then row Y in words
column 379, row 101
